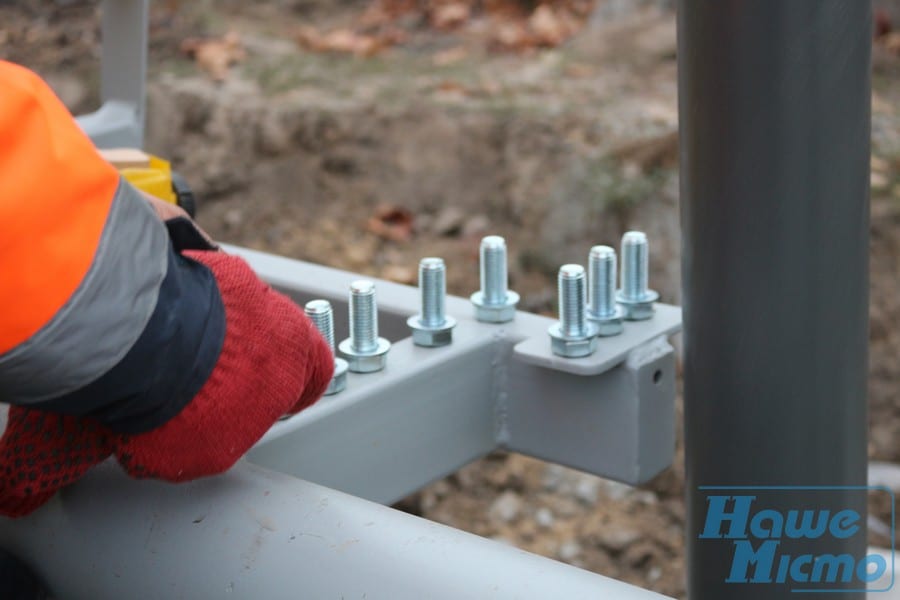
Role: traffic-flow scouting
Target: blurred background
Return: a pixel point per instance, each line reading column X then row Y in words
column 365, row 134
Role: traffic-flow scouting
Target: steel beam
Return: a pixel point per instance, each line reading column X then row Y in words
column 774, row 101
column 433, row 410
column 254, row 533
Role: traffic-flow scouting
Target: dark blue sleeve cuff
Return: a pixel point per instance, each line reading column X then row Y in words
column 170, row 361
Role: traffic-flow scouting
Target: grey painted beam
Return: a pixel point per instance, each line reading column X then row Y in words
column 254, row 533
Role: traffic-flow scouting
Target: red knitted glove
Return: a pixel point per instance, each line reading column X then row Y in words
column 40, row 452
column 273, row 361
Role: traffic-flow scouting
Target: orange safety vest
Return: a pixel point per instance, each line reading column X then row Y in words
column 55, row 194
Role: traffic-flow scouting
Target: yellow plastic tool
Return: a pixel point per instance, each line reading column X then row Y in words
column 152, row 175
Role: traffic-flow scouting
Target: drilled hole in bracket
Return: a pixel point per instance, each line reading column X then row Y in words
column 657, row 376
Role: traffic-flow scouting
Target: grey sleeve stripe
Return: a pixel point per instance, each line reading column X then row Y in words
column 104, row 316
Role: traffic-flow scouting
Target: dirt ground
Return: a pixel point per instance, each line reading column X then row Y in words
column 296, row 152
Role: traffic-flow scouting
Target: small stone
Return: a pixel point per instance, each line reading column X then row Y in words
column 569, row 551
column 884, row 474
column 587, row 489
column 615, row 490
column 566, row 507
column 878, row 181
column 505, row 508
column 553, row 478
column 69, row 88
column 654, row 574
column 475, row 226
column 616, row 538
column 646, row 497
column 448, row 222
column 233, row 218
column 544, row 517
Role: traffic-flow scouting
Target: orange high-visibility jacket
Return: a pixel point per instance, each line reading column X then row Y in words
column 91, row 290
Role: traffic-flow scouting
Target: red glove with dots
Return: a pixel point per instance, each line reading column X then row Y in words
column 272, row 362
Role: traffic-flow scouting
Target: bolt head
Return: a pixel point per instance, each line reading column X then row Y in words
column 608, row 326
column 639, row 310
column 495, row 313
column 571, row 346
column 365, row 362
column 431, row 337
column 339, row 379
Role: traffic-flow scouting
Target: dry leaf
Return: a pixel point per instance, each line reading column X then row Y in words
column 390, row 222
column 512, row 36
column 450, row 56
column 449, row 16
column 448, row 85
column 215, row 56
column 548, row 27
column 346, row 41
column 891, row 42
column 399, row 274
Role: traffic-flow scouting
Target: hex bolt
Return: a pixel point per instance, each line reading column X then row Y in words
column 432, row 328
column 574, row 336
column 320, row 313
column 364, row 350
column 634, row 296
column 494, row 303
column 602, row 308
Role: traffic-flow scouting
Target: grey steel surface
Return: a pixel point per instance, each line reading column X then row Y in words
column 610, row 350
column 253, row 533
column 433, row 410
column 119, row 122
column 774, row 111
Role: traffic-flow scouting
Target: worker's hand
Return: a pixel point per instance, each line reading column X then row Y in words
column 41, row 452
column 273, row 361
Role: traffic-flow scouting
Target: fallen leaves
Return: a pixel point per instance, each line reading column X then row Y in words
column 884, row 34
column 391, row 222
column 215, row 56
column 505, row 25
column 347, row 41
column 891, row 42
column 445, row 17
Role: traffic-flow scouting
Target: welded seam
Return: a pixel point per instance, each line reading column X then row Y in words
column 500, row 386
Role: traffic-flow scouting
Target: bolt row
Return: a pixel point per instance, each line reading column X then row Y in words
column 589, row 305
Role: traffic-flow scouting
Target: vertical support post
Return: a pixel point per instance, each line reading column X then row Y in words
column 124, row 62
column 123, row 70
column 774, row 105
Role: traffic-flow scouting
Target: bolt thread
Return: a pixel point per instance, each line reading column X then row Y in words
column 602, row 281
column 634, row 265
column 493, row 269
column 321, row 315
column 433, row 287
column 572, row 300
column 363, row 316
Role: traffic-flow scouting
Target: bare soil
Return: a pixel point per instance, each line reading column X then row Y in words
column 556, row 149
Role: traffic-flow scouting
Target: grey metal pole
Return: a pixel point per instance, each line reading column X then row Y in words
column 774, row 104
column 253, row 533
column 124, row 59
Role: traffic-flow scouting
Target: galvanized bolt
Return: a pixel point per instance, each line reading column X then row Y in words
column 364, row 350
column 494, row 303
column 320, row 313
column 574, row 336
column 432, row 328
column 602, row 307
column 634, row 296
